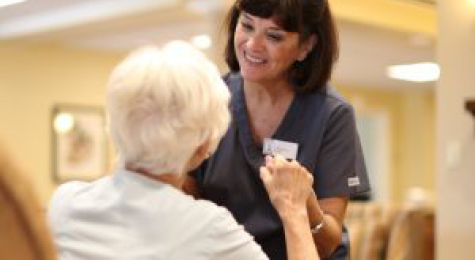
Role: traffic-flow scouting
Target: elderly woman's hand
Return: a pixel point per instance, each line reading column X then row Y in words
column 288, row 184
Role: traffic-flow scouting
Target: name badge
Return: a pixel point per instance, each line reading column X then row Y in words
column 273, row 147
column 353, row 181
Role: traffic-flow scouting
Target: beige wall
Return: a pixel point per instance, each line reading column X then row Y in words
column 456, row 131
column 412, row 120
column 34, row 78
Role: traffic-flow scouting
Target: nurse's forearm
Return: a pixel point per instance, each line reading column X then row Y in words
column 328, row 237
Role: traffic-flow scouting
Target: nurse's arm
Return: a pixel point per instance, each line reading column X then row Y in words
column 329, row 214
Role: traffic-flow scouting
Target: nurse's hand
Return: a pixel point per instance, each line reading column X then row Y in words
column 288, row 185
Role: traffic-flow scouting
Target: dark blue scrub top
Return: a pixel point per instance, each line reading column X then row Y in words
column 323, row 126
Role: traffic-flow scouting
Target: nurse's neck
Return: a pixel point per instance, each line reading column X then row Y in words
column 268, row 92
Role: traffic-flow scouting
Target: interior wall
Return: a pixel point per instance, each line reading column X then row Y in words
column 418, row 145
column 456, row 130
column 412, row 130
column 33, row 79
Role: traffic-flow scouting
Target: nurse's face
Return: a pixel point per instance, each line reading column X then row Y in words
column 264, row 50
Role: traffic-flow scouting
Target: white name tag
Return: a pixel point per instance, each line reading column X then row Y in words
column 286, row 149
column 353, row 181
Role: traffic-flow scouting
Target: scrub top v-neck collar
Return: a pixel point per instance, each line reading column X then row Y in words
column 253, row 151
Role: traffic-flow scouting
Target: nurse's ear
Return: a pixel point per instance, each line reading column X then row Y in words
column 306, row 47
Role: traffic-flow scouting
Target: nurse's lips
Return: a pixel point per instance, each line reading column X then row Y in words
column 253, row 59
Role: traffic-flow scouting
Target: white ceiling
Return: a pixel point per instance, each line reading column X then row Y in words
column 124, row 24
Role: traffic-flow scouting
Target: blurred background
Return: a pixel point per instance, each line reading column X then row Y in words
column 405, row 65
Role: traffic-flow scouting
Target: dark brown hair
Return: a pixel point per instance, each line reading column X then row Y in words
column 306, row 17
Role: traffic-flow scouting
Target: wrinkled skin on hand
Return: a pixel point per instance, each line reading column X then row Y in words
column 288, row 184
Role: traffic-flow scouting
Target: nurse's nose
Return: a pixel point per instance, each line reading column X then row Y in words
column 255, row 43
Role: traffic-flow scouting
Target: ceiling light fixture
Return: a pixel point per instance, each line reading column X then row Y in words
column 10, row 2
column 418, row 72
column 202, row 41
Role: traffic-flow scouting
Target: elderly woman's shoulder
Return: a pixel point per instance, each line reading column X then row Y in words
column 208, row 216
column 63, row 198
column 68, row 191
column 221, row 219
column 215, row 210
column 210, row 207
column 70, row 188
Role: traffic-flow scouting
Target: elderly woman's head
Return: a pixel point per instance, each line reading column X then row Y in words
column 311, row 20
column 165, row 104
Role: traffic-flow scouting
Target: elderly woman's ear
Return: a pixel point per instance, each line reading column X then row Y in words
column 203, row 150
column 201, row 153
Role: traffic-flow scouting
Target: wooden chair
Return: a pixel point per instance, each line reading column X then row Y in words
column 369, row 224
column 391, row 232
column 24, row 232
column 413, row 235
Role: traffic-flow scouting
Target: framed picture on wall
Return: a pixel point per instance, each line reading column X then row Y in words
column 79, row 143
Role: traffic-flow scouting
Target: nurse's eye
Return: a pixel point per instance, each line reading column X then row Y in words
column 275, row 37
column 247, row 27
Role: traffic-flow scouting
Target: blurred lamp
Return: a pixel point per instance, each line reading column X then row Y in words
column 63, row 123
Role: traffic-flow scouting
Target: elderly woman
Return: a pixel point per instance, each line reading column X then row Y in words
column 167, row 110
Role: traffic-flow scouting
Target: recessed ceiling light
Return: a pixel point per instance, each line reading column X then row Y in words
column 10, row 2
column 202, row 41
column 417, row 72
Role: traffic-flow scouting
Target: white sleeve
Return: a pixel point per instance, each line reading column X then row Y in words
column 230, row 241
column 58, row 206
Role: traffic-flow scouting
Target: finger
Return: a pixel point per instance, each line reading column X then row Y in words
column 279, row 158
column 269, row 160
column 302, row 168
column 294, row 162
column 289, row 166
column 295, row 165
column 279, row 161
column 308, row 175
column 265, row 175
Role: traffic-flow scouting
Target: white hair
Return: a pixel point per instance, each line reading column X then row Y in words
column 163, row 104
